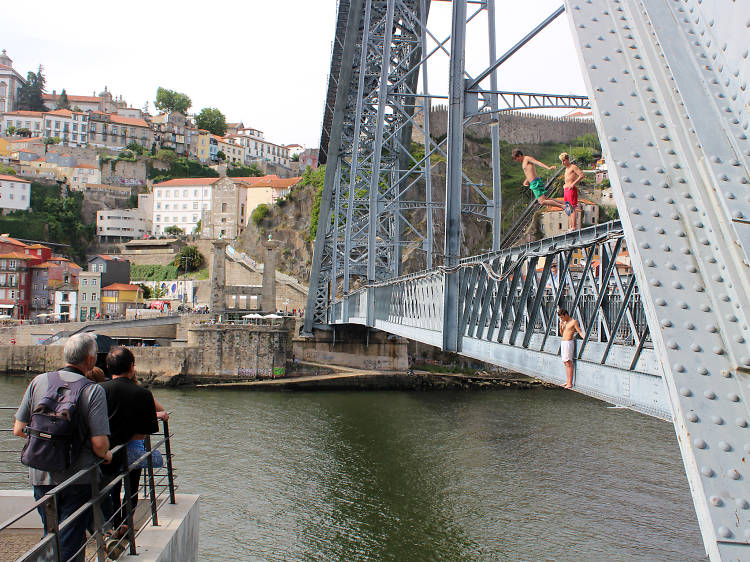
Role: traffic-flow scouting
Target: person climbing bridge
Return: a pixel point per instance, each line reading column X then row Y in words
column 533, row 181
column 573, row 176
column 568, row 328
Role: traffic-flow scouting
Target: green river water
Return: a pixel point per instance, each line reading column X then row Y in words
column 486, row 475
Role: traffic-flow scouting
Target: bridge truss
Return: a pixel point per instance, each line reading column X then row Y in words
column 668, row 84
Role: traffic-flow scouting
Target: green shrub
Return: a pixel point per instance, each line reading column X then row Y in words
column 259, row 213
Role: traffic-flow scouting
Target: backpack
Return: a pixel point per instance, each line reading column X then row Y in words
column 53, row 440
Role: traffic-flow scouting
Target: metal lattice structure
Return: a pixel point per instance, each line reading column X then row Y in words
column 668, row 85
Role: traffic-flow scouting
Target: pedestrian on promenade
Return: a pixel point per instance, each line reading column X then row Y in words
column 568, row 328
column 91, row 444
column 573, row 176
column 533, row 181
column 132, row 416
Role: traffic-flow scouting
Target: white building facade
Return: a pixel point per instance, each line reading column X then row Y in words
column 117, row 224
column 181, row 202
column 15, row 193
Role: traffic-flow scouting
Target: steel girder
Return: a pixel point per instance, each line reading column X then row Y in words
column 506, row 314
column 669, row 86
column 367, row 208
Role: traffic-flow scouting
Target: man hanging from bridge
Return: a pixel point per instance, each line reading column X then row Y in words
column 573, row 176
column 533, row 181
column 568, row 328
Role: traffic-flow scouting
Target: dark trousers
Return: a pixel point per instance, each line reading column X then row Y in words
column 117, row 506
column 73, row 537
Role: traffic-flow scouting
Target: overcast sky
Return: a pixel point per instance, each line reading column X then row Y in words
column 262, row 62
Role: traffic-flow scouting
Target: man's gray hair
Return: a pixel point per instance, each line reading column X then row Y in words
column 78, row 348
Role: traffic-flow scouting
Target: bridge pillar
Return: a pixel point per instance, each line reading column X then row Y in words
column 268, row 295
column 454, row 176
column 218, row 299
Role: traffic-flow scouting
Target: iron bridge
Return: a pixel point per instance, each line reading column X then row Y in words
column 662, row 294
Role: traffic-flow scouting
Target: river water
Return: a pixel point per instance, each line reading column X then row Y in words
column 491, row 475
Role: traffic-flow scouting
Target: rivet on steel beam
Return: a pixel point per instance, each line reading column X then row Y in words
column 680, row 368
column 692, row 417
column 700, row 444
column 733, row 397
column 741, row 503
column 705, row 308
column 741, row 422
column 718, row 420
column 726, row 374
column 707, row 471
column 650, row 263
column 724, row 446
column 734, row 474
column 671, row 344
column 724, row 532
column 682, row 304
column 716, row 501
column 695, row 347
column 710, row 394
column 703, row 371
column 689, row 326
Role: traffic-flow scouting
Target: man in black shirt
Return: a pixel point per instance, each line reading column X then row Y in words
column 132, row 415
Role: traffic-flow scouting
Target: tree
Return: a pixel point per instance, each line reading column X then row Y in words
column 220, row 155
column 189, row 259
column 146, row 290
column 7, row 170
column 244, row 171
column 198, row 227
column 169, row 100
column 10, row 130
column 174, row 230
column 259, row 213
column 212, row 120
column 166, row 156
column 24, row 132
column 62, row 101
column 50, row 140
column 30, row 94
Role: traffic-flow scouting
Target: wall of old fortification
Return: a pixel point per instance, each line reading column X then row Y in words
column 514, row 127
column 213, row 351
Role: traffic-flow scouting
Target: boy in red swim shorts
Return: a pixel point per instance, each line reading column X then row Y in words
column 573, row 176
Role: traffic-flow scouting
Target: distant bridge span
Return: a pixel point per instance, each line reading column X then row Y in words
column 668, row 84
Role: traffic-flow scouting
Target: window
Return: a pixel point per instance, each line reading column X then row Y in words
column 84, row 282
column 223, row 207
column 195, row 205
column 195, row 218
column 83, row 297
column 93, row 297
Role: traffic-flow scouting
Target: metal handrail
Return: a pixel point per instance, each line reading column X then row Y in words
column 49, row 501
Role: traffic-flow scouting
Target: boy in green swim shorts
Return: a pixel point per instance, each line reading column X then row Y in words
column 534, row 182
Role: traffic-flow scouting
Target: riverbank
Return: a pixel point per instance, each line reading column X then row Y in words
column 333, row 377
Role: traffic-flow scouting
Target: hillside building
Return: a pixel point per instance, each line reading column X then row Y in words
column 89, row 295
column 553, row 222
column 265, row 189
column 112, row 268
column 15, row 193
column 10, row 82
column 118, row 225
column 117, row 298
column 115, row 131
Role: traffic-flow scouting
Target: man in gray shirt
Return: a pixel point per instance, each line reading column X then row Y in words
column 93, row 426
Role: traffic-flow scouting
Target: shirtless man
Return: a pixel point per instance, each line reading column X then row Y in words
column 534, row 182
column 573, row 176
column 568, row 329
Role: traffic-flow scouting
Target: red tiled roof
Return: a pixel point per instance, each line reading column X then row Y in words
column 121, row 287
column 180, row 182
column 25, row 113
column 104, row 257
column 71, row 98
column 123, row 120
column 16, row 256
column 265, row 181
column 27, row 140
column 8, row 240
column 90, row 166
column 13, row 178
